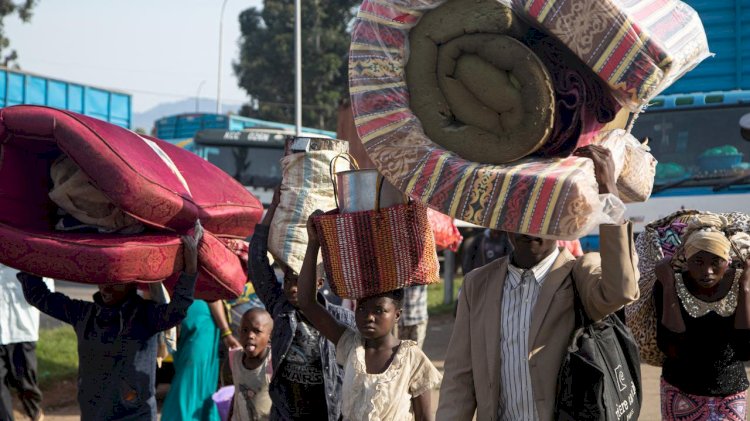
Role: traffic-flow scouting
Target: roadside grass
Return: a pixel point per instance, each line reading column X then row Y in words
column 57, row 355
column 435, row 304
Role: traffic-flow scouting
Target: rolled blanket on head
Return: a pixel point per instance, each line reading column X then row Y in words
column 476, row 88
column 553, row 198
column 449, row 95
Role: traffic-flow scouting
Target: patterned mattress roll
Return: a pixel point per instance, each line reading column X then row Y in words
column 476, row 88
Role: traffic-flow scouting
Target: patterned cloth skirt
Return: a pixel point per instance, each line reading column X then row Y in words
column 680, row 406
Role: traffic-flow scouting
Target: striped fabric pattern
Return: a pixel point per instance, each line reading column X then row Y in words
column 306, row 186
column 520, row 293
column 370, row 252
column 552, row 197
column 642, row 47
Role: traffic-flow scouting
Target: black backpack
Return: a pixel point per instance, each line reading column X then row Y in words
column 600, row 378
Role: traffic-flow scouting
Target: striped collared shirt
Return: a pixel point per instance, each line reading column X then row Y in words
column 519, row 297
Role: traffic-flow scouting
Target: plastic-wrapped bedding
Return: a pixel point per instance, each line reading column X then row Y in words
column 555, row 198
column 475, row 87
column 583, row 103
column 639, row 47
column 493, row 90
column 418, row 136
column 163, row 187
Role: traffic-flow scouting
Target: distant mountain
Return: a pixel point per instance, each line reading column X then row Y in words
column 146, row 119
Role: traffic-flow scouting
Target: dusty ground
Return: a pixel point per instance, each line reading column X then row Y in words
column 60, row 405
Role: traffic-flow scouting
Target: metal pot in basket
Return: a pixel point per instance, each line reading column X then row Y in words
column 363, row 190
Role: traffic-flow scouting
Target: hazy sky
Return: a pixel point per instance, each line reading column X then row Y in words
column 157, row 50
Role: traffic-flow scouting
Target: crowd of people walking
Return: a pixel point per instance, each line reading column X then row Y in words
column 296, row 355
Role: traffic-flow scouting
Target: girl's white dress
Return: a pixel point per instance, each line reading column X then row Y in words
column 388, row 395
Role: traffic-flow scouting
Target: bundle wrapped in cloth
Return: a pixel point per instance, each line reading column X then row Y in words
column 635, row 167
column 142, row 194
column 306, row 185
column 474, row 107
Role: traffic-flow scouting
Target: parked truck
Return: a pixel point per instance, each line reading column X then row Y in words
column 694, row 128
column 182, row 127
column 20, row 87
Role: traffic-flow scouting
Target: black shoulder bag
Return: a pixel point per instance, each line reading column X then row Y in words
column 600, row 378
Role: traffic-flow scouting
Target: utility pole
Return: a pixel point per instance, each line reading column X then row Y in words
column 298, row 66
column 218, row 77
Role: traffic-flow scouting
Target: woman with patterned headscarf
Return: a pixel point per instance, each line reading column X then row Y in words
column 703, row 308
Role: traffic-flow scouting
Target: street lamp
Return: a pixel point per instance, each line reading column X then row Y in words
column 221, row 37
column 298, row 67
column 198, row 94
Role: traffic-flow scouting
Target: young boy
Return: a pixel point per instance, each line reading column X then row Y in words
column 251, row 367
column 117, row 339
column 306, row 381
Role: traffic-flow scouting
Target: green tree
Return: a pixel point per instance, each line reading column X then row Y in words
column 9, row 7
column 265, row 68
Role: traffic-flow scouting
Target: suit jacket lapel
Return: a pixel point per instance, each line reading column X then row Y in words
column 493, row 297
column 556, row 276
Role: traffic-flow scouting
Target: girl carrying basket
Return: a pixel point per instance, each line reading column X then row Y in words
column 384, row 378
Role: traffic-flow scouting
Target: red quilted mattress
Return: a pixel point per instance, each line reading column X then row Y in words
column 164, row 187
